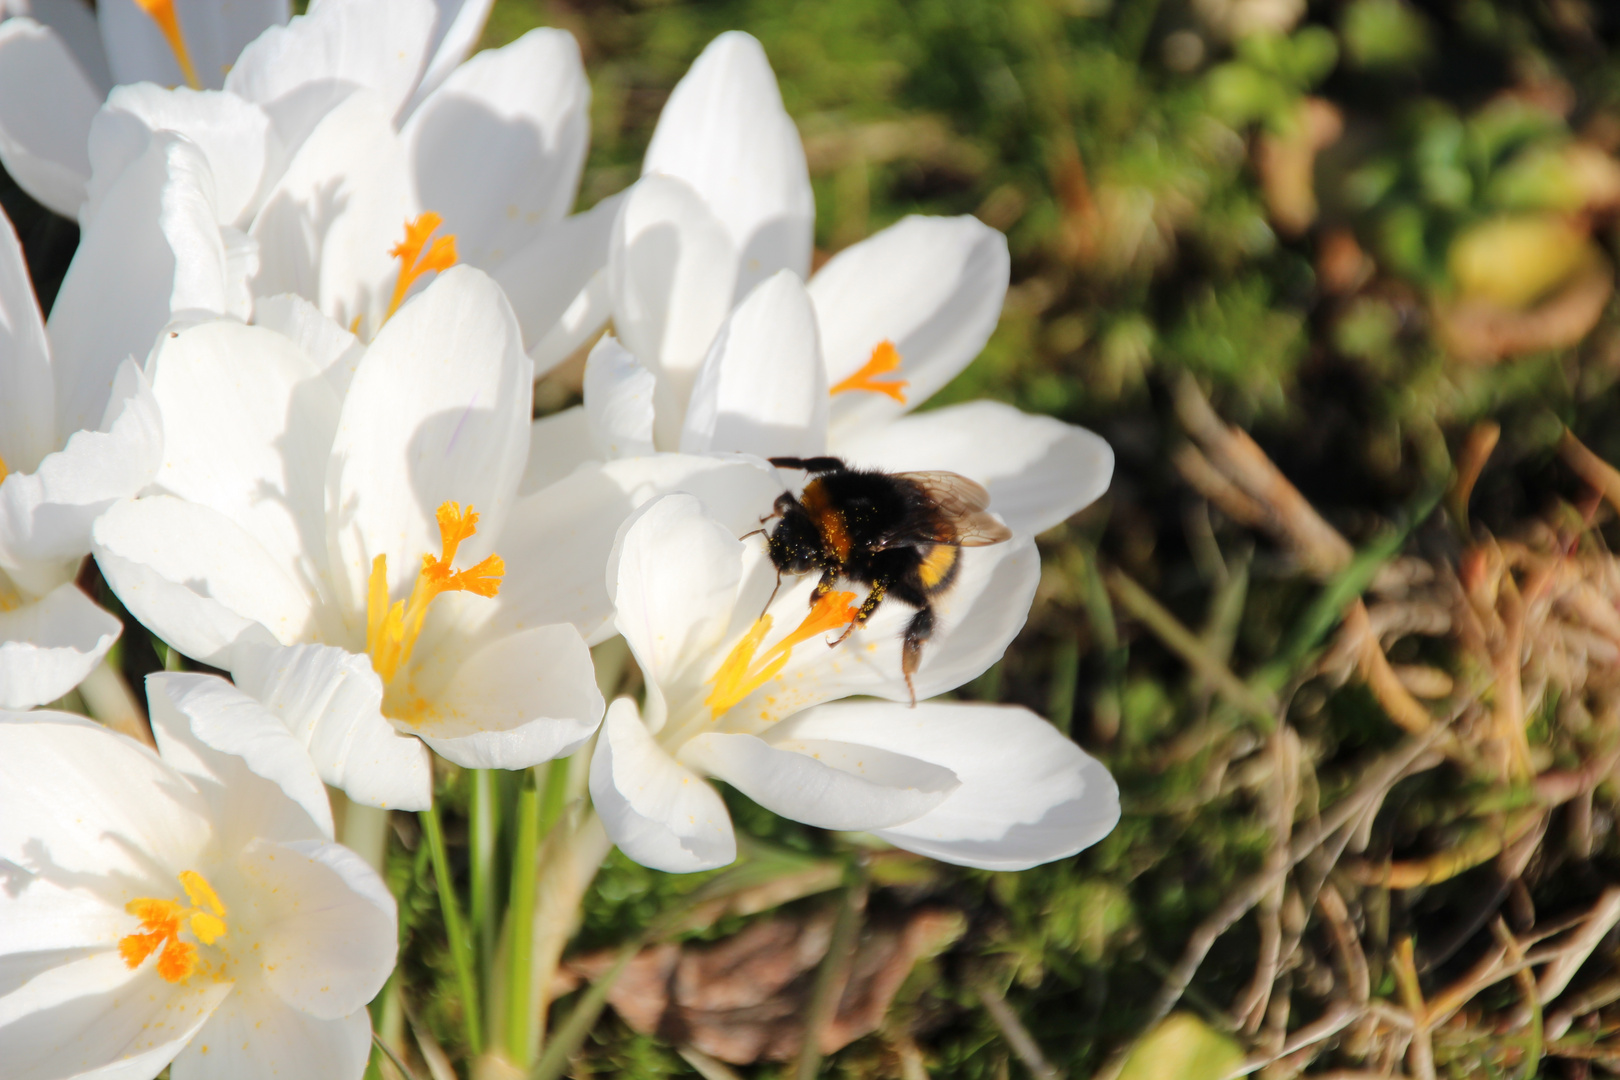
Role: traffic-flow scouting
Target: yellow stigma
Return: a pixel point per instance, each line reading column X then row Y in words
column 161, row 923
column 391, row 629
column 414, row 261
column 4, row 472
column 885, row 358
column 740, row 674
column 168, row 20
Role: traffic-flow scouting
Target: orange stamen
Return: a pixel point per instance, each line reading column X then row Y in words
column 885, row 358
column 162, row 922
column 392, row 629
column 413, row 261
column 168, row 21
column 4, row 472
column 740, row 674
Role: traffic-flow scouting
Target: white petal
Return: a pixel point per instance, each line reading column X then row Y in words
column 619, row 396
column 327, row 225
column 672, row 268
column 27, row 392
column 248, row 427
column 1038, row 470
column 517, row 702
column 437, row 412
column 931, row 286
column 673, row 575
column 558, row 283
column 256, row 774
column 558, row 444
column 214, row 33
column 46, row 103
column 725, row 132
column 47, row 920
column 763, row 388
column 94, row 1019
column 75, row 22
column 49, row 646
column 570, row 528
column 823, row 782
column 455, row 32
column 377, row 44
column 45, row 516
column 196, row 579
column 158, row 217
column 253, row 1035
column 659, row 812
column 325, row 923
column 498, row 148
column 232, row 133
column 135, row 822
column 334, row 350
column 331, row 700
column 1029, row 795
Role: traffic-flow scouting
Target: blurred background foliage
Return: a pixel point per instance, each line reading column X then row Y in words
column 1363, row 226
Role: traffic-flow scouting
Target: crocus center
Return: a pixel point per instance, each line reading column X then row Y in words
column 392, row 629
column 168, row 20
column 4, row 472
column 742, row 672
column 416, row 256
column 884, row 359
column 162, row 922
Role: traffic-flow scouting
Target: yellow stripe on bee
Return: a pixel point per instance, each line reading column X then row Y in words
column 828, row 518
column 937, row 565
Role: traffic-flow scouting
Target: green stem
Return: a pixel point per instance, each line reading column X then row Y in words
column 520, row 921
column 454, row 929
column 485, row 826
column 362, row 829
column 831, row 977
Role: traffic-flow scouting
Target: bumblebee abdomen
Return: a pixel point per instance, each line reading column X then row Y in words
column 938, row 567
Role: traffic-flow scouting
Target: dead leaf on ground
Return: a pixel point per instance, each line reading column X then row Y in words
column 744, row 999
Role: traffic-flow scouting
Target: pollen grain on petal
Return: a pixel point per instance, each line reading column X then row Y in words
column 884, row 359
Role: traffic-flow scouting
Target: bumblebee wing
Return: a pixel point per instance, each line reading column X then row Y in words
column 963, row 508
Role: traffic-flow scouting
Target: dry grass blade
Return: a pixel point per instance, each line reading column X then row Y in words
column 1376, row 780
column 1017, row 1035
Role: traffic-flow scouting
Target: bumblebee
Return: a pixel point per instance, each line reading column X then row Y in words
column 898, row 534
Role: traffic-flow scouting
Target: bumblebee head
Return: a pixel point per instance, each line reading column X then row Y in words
column 795, row 543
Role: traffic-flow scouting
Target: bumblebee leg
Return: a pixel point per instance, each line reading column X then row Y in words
column 869, row 605
column 829, row 578
column 918, row 630
column 775, row 589
column 810, row 465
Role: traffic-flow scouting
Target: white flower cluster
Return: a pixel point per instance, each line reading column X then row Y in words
column 284, row 398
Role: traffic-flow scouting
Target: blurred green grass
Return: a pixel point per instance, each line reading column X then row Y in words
column 1120, row 146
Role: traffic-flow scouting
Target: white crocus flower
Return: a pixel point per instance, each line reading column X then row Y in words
column 737, row 695
column 350, row 133
column 187, row 906
column 67, row 452
column 59, row 58
column 342, row 527
column 715, row 352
